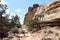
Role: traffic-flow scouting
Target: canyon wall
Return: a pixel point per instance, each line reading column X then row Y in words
column 50, row 11
column 30, row 14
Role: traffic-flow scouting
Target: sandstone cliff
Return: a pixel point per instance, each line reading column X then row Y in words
column 51, row 17
column 30, row 14
column 51, row 12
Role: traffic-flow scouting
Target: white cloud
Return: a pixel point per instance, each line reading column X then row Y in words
column 11, row 15
column 3, row 2
column 21, row 20
column 18, row 10
column 7, row 11
column 12, row 12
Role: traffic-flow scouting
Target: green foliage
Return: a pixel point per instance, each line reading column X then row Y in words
column 31, row 22
column 14, row 21
column 42, row 24
column 33, row 25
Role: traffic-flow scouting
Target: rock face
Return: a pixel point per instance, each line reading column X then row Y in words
column 49, row 8
column 30, row 14
column 51, row 33
column 51, row 12
column 51, row 17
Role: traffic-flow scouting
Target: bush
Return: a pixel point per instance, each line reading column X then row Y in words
column 33, row 25
column 36, row 24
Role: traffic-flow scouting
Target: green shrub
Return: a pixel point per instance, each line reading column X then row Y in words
column 33, row 25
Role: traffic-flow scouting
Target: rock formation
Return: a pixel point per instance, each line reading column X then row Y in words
column 51, row 12
column 30, row 14
column 51, row 19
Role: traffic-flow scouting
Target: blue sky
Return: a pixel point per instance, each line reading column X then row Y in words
column 20, row 7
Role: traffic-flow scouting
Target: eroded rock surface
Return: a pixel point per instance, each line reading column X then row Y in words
column 30, row 14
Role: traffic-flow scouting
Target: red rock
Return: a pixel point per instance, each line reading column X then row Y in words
column 30, row 14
